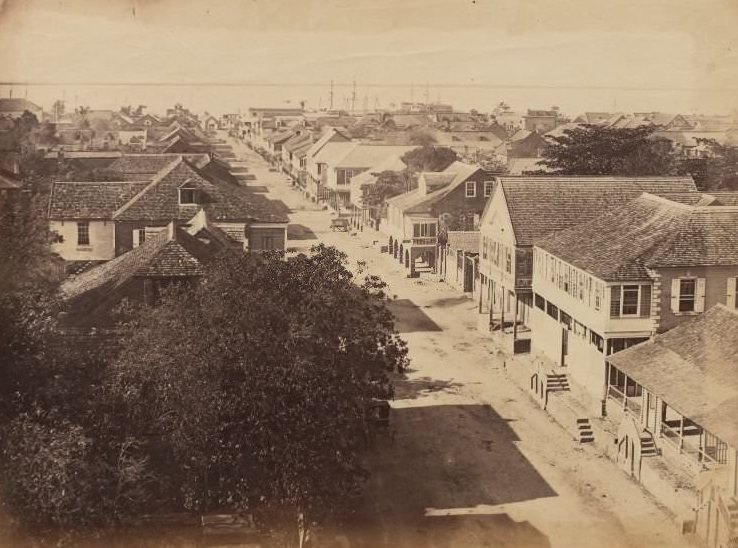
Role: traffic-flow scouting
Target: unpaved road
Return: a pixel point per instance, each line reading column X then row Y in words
column 475, row 461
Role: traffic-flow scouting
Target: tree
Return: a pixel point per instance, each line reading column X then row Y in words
column 429, row 158
column 717, row 170
column 422, row 136
column 598, row 150
column 82, row 116
column 387, row 185
column 254, row 383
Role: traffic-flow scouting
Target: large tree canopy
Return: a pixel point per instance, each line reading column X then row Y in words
column 598, row 150
column 387, row 185
column 244, row 392
column 429, row 158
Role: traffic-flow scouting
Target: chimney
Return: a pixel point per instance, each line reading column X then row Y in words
column 172, row 231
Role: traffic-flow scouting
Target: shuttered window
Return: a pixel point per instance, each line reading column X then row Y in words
column 645, row 301
column 615, row 301
column 732, row 285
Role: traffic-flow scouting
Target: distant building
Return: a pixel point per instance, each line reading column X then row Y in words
column 541, row 121
column 14, row 108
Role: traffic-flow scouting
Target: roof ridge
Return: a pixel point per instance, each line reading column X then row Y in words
column 157, row 178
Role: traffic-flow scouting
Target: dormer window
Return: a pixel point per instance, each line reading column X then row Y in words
column 188, row 195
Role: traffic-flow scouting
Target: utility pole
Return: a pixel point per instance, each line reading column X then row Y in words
column 331, row 97
column 353, row 98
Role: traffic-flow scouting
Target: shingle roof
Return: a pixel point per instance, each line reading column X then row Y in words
column 298, row 141
column 75, row 200
column 150, row 164
column 173, row 253
column 694, row 369
column 649, row 232
column 416, row 201
column 332, row 152
column 540, row 205
column 464, row 240
column 159, row 200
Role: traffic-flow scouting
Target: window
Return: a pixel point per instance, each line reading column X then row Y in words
column 139, row 236
column 631, row 293
column 471, row 189
column 267, row 242
column 540, row 302
column 508, row 260
column 83, row 233
column 187, row 196
column 424, row 230
column 488, row 188
column 343, row 177
column 552, row 311
column 687, row 292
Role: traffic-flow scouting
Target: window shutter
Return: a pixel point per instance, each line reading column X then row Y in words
column 675, row 295
column 615, row 301
column 699, row 298
column 136, row 237
column 645, row 301
column 730, row 298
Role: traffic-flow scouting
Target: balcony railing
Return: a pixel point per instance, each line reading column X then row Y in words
column 425, row 241
column 630, row 404
column 684, row 444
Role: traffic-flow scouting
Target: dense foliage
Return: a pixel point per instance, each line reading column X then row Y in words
column 601, row 150
column 429, row 158
column 243, row 393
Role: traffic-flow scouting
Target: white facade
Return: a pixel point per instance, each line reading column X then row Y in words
column 72, row 247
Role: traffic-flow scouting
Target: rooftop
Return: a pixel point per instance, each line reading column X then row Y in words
column 649, row 232
column 694, row 369
column 90, row 200
column 572, row 200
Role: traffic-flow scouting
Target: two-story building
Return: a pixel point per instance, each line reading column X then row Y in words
column 525, row 209
column 332, row 142
column 611, row 283
column 342, row 167
column 450, row 200
column 101, row 220
column 676, row 398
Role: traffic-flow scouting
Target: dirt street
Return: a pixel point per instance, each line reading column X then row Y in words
column 475, row 461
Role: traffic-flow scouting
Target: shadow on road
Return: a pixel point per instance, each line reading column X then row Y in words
column 410, row 318
column 406, row 389
column 449, row 302
column 444, row 479
column 300, row 232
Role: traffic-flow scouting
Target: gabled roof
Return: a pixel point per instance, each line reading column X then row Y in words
column 332, row 153
column 646, row 233
column 693, row 368
column 149, row 165
column 298, row 141
column 84, row 200
column 17, row 105
column 325, row 138
column 417, row 201
column 541, row 205
column 366, row 156
column 159, row 200
column 173, row 253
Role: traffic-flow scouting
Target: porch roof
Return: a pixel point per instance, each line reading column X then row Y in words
column 693, row 367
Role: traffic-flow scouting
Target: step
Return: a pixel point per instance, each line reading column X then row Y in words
column 589, row 439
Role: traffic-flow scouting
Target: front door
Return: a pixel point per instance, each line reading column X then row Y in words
column 564, row 346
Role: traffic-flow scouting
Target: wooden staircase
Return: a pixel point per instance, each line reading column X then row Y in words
column 584, row 428
column 648, row 446
column 557, row 382
column 422, row 266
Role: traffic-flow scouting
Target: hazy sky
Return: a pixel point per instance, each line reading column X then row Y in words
column 669, row 55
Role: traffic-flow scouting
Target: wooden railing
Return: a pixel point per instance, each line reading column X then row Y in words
column 685, row 446
column 424, row 241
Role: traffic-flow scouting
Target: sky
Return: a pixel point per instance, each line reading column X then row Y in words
column 582, row 55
